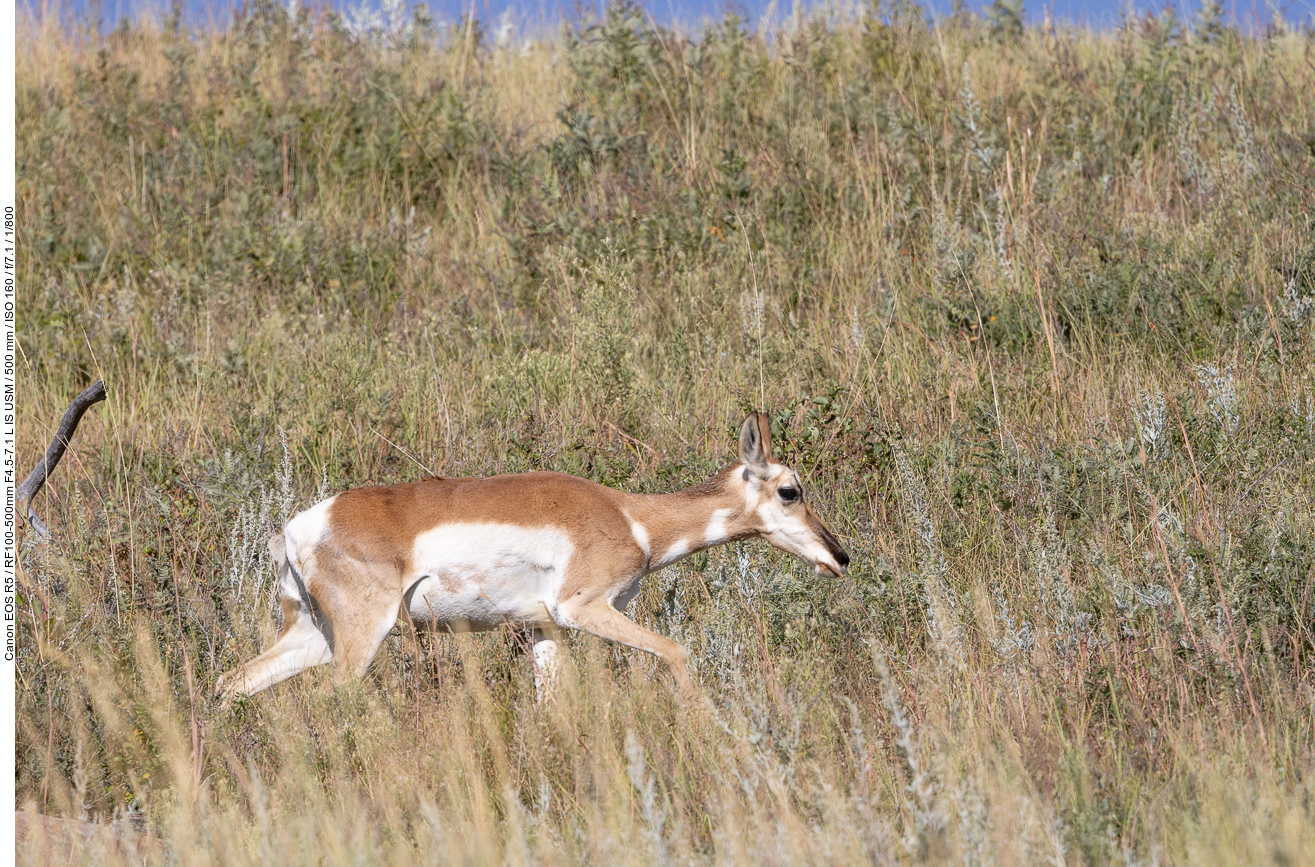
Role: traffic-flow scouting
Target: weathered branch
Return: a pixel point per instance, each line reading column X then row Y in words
column 31, row 486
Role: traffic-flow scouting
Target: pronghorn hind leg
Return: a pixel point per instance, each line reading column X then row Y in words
column 362, row 618
column 300, row 645
column 359, row 645
column 298, row 648
column 601, row 619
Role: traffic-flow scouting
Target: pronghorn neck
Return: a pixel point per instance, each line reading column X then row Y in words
column 671, row 526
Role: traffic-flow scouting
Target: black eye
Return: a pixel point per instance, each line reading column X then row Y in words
column 788, row 494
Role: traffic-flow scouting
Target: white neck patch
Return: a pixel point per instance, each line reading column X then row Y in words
column 678, row 549
column 640, row 532
column 716, row 531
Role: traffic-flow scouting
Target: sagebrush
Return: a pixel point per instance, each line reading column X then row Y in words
column 1030, row 307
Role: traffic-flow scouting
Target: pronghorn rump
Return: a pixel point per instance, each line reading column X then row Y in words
column 543, row 551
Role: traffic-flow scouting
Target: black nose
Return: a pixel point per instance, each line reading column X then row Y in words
column 843, row 559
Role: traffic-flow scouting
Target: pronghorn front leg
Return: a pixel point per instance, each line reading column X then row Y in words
column 600, row 618
column 543, row 652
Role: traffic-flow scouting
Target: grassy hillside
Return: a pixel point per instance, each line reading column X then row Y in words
column 1031, row 310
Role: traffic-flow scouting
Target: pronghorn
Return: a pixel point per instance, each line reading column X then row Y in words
column 540, row 550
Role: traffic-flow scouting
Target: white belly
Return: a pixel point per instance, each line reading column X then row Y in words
column 480, row 576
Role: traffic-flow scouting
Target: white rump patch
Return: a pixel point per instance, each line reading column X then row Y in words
column 306, row 530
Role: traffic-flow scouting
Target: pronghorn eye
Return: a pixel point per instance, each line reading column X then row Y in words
column 788, row 494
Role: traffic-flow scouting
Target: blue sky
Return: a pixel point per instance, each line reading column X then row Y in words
column 1099, row 13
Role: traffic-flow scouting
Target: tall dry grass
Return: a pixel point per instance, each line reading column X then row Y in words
column 1031, row 309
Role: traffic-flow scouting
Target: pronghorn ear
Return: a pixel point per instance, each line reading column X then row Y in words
column 756, row 443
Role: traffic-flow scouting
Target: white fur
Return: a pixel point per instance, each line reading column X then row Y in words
column 544, row 651
column 716, row 532
column 305, row 531
column 785, row 528
column 678, row 549
column 641, row 536
column 480, row 576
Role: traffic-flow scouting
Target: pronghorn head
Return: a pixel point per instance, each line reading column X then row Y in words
column 774, row 503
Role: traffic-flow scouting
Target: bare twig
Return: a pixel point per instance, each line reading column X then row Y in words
column 406, row 454
column 31, row 486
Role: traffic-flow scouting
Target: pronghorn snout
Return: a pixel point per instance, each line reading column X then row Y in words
column 835, row 561
column 840, row 561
